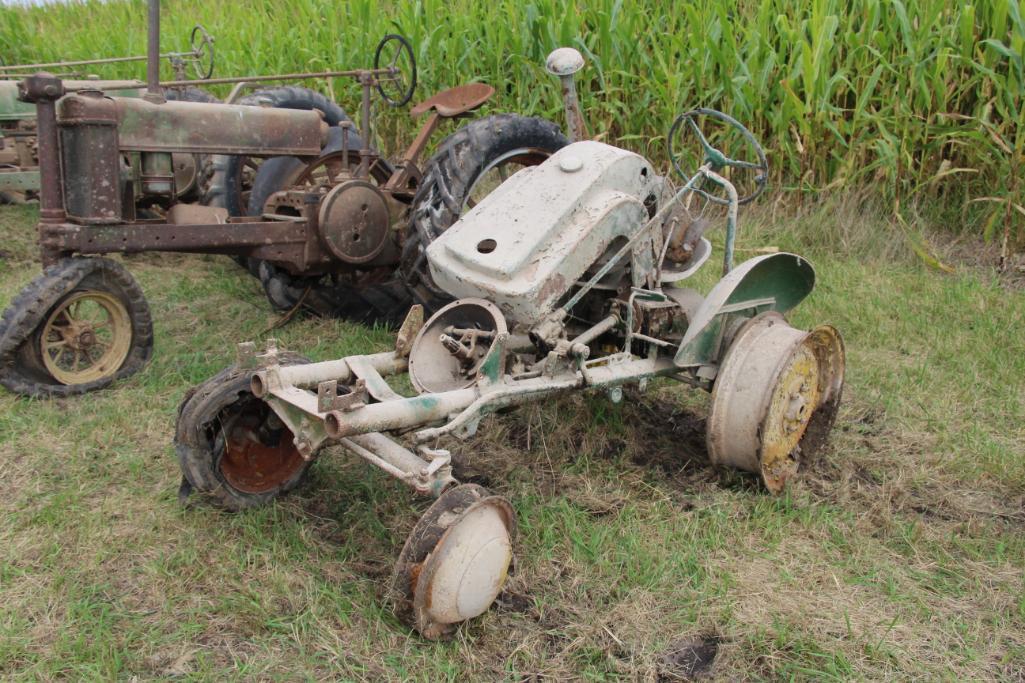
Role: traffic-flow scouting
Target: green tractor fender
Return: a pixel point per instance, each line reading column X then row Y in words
column 774, row 282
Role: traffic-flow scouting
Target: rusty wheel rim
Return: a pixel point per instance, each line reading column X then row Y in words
column 259, row 453
column 86, row 338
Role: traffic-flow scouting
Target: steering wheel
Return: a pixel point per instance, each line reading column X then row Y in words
column 715, row 157
column 397, row 86
column 202, row 44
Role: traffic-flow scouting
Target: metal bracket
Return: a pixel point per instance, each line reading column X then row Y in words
column 328, row 398
column 245, row 355
column 407, row 333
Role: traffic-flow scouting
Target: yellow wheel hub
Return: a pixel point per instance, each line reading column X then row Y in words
column 775, row 397
column 86, row 337
column 794, row 399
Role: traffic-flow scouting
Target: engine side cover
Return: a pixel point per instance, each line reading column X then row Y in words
column 529, row 241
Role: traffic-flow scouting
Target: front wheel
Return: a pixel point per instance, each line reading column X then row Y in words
column 468, row 165
column 77, row 327
column 232, row 447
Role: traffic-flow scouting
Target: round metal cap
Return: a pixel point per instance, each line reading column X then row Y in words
column 570, row 163
column 467, row 569
column 354, row 221
column 564, row 61
column 455, row 561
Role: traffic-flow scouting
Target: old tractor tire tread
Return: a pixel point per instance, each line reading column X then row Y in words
column 199, row 408
column 29, row 309
column 448, row 178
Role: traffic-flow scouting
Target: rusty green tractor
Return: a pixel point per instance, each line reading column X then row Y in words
column 295, row 192
column 573, row 275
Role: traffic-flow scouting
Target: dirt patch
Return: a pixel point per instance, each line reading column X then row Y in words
column 689, row 658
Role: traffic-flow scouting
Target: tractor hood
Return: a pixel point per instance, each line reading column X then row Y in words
column 529, row 241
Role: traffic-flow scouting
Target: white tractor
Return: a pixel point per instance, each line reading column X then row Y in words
column 571, row 276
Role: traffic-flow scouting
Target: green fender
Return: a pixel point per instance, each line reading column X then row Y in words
column 774, row 282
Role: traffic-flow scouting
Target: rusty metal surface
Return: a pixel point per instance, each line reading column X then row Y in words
column 90, row 162
column 772, row 385
column 157, row 236
column 455, row 101
column 203, row 128
column 563, row 63
column 354, row 221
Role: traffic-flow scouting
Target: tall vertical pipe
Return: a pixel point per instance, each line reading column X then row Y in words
column 153, row 50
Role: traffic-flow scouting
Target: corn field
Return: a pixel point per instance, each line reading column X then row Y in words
column 919, row 99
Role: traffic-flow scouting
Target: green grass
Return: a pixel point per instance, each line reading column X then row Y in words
column 918, row 99
column 898, row 554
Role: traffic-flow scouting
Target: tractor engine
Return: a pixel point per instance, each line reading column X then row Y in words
column 529, row 243
column 116, row 150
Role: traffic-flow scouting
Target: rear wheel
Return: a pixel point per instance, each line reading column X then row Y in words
column 468, row 165
column 232, row 447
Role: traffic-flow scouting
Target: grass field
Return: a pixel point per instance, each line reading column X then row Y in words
column 900, row 553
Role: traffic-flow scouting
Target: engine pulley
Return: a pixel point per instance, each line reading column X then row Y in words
column 354, row 221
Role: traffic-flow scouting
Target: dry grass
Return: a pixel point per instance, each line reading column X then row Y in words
column 898, row 554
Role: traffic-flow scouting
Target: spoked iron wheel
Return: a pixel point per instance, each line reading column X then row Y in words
column 86, row 337
column 232, row 447
column 77, row 327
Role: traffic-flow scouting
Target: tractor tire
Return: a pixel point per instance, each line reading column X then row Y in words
column 223, row 412
column 189, row 165
column 449, row 178
column 29, row 329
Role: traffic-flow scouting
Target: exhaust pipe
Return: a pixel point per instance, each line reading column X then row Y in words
column 153, row 89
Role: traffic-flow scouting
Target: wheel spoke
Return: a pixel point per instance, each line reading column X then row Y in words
column 739, row 163
column 701, row 136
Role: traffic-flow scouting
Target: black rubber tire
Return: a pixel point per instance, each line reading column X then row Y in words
column 198, row 444
column 21, row 368
column 449, row 177
column 192, row 94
